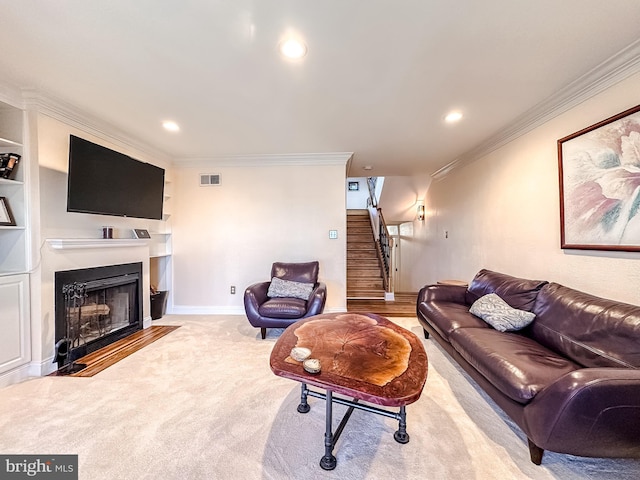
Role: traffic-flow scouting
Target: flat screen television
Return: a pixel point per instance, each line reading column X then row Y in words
column 106, row 182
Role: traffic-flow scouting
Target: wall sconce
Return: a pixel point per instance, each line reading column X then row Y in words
column 421, row 212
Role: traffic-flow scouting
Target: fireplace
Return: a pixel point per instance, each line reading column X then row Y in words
column 94, row 308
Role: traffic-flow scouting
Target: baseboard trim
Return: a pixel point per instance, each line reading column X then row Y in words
column 192, row 310
column 42, row 368
column 335, row 310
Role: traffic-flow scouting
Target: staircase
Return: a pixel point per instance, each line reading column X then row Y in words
column 364, row 274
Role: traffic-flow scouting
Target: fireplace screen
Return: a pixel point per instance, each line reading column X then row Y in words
column 96, row 307
column 94, row 310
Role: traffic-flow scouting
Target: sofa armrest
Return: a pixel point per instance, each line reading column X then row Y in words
column 588, row 412
column 443, row 293
column 317, row 299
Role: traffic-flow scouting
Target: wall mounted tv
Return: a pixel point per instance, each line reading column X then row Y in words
column 105, row 182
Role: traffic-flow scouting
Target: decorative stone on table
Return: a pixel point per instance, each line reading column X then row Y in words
column 300, row 354
column 312, row 365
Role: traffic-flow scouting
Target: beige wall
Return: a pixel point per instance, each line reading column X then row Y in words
column 230, row 234
column 400, row 197
column 502, row 212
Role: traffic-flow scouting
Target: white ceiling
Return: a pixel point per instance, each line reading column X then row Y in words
column 377, row 81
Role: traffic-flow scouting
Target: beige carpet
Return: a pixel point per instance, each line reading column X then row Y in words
column 202, row 403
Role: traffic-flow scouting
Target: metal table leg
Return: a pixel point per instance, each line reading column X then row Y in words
column 328, row 462
column 304, row 407
column 401, row 435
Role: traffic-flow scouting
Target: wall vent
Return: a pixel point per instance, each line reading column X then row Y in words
column 209, row 179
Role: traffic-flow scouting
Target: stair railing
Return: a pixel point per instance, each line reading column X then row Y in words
column 384, row 241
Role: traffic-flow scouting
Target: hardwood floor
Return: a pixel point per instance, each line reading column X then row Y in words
column 404, row 305
column 107, row 356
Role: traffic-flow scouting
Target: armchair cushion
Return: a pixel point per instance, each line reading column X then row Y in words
column 283, row 308
column 287, row 288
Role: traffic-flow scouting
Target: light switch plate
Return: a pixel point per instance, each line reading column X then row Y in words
column 333, row 234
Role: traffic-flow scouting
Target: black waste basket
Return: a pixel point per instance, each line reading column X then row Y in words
column 158, row 304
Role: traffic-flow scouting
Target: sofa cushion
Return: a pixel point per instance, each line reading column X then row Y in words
column 592, row 331
column 287, row 288
column 497, row 313
column 520, row 293
column 445, row 317
column 517, row 366
column 283, row 308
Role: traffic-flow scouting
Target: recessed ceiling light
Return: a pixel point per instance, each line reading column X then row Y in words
column 171, row 126
column 453, row 117
column 293, row 48
column 368, row 167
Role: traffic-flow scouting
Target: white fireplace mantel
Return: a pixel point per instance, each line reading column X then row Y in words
column 75, row 243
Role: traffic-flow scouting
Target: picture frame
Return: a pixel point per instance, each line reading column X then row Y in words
column 141, row 233
column 354, row 186
column 6, row 216
column 599, row 179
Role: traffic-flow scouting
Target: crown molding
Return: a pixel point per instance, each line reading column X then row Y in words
column 613, row 70
column 267, row 160
column 70, row 115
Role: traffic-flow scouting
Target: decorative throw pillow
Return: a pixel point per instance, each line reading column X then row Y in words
column 499, row 314
column 287, row 288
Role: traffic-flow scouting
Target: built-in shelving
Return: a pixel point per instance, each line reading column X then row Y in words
column 11, row 183
column 160, row 247
column 13, row 238
column 15, row 344
column 5, row 142
column 12, row 227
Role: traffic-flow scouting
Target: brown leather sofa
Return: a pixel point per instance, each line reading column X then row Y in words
column 570, row 380
column 265, row 312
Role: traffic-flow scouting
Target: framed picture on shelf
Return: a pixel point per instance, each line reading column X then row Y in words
column 6, row 217
column 141, row 233
column 599, row 169
column 8, row 165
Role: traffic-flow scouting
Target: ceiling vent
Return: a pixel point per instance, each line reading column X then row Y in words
column 209, row 179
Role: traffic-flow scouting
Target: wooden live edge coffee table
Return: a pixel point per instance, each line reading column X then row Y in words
column 362, row 356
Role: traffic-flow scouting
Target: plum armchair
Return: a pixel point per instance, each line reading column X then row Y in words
column 292, row 293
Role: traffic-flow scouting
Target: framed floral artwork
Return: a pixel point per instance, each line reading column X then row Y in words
column 599, row 169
